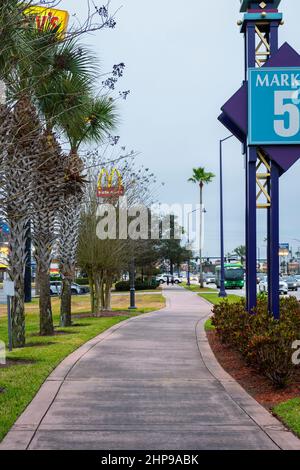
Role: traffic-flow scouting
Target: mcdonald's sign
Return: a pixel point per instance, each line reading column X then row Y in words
column 49, row 17
column 109, row 188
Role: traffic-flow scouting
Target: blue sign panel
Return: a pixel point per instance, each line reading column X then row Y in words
column 274, row 106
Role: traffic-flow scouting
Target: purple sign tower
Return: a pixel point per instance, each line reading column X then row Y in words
column 265, row 163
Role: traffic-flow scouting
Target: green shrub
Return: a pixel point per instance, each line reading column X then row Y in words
column 124, row 286
column 82, row 281
column 264, row 342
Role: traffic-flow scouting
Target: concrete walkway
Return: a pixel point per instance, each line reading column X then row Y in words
column 148, row 383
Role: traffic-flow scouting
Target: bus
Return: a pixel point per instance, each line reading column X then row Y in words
column 234, row 276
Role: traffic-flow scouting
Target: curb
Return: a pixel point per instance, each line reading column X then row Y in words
column 280, row 435
column 23, row 431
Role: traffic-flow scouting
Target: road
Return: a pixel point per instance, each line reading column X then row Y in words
column 242, row 292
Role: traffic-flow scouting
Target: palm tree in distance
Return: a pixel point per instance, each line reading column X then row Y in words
column 201, row 177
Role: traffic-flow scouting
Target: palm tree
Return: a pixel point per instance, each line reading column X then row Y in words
column 201, row 177
column 61, row 97
column 18, row 151
column 241, row 252
column 99, row 118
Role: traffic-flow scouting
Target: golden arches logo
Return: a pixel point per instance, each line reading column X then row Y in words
column 49, row 17
column 110, row 189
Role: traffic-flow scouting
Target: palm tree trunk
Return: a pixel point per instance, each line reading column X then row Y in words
column 17, row 271
column 18, row 314
column 66, row 302
column 69, row 220
column 19, row 139
column 201, row 241
column 46, row 320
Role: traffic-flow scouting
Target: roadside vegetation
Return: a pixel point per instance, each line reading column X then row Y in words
column 265, row 343
column 208, row 326
column 197, row 288
column 289, row 413
column 214, row 298
column 27, row 368
column 263, row 348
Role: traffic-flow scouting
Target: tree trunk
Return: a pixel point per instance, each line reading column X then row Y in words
column 17, row 271
column 46, row 320
column 18, row 315
column 92, row 293
column 102, row 295
column 37, row 285
column 200, row 228
column 65, row 305
column 107, row 299
column 171, row 267
column 99, row 292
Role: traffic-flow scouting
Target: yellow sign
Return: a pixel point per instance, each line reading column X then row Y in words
column 4, row 254
column 110, row 189
column 49, row 17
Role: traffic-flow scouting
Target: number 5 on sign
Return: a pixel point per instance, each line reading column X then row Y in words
column 274, row 106
column 289, row 112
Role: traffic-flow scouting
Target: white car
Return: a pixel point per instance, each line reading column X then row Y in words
column 76, row 289
column 163, row 279
column 263, row 287
column 210, row 279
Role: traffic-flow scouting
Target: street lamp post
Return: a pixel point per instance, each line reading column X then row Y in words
column 222, row 292
column 132, row 285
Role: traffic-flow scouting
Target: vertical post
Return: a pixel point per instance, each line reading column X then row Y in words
column 251, row 285
column 273, row 37
column 251, row 245
column 132, row 285
column 201, row 240
column 269, row 253
column 189, row 260
column 246, row 224
column 189, row 273
column 9, row 323
column 274, row 243
column 222, row 292
column 27, row 277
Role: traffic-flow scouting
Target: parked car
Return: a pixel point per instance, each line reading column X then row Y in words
column 164, row 279
column 211, row 279
column 283, row 287
column 291, row 282
column 260, row 277
column 76, row 289
column 298, row 279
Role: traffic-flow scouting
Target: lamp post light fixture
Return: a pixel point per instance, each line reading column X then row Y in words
column 222, row 292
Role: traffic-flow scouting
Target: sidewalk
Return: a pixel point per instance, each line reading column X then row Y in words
column 148, row 383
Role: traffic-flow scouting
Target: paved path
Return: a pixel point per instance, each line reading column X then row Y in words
column 145, row 385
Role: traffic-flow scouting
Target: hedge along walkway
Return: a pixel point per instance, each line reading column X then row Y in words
column 149, row 383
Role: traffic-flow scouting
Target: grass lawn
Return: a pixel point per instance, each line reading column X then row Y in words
column 208, row 326
column 27, row 368
column 197, row 288
column 289, row 413
column 81, row 303
column 215, row 299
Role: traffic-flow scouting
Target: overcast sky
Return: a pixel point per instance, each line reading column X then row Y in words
column 183, row 61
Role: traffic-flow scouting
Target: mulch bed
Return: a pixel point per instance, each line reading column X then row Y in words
column 258, row 386
column 120, row 313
